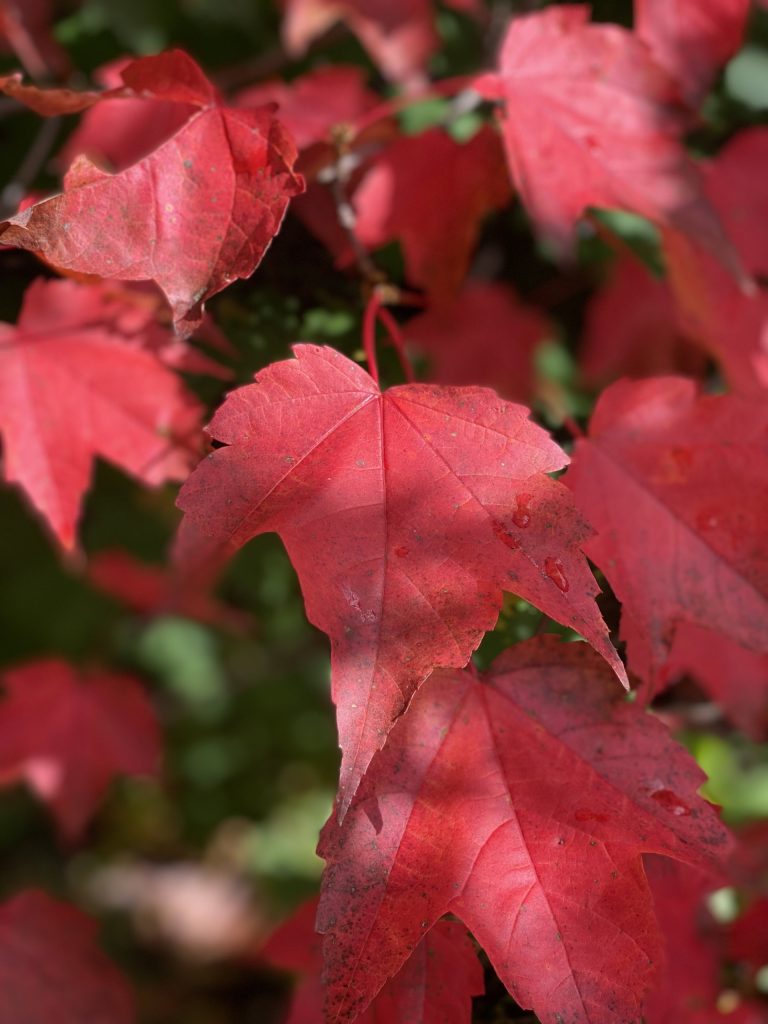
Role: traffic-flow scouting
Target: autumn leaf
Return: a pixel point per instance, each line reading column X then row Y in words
column 520, row 802
column 676, row 487
column 73, row 388
column 193, row 215
column 51, row 968
column 405, row 515
column 434, row 986
column 45, row 714
column 589, row 120
column 692, row 40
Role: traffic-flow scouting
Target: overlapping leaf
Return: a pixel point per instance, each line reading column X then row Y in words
column 51, row 968
column 521, row 802
column 405, row 515
column 193, row 215
column 73, row 387
column 676, row 487
column 67, row 736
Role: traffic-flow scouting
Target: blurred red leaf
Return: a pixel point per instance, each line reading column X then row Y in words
column 51, row 969
column 431, row 194
column 154, row 590
column 692, row 39
column 67, row 735
column 317, row 105
column 25, row 28
column 73, row 388
column 400, row 35
column 486, row 336
column 632, row 327
column 590, row 120
column 733, row 676
column 677, row 486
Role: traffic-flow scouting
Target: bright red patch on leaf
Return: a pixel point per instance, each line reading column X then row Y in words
column 51, row 969
column 520, row 802
column 398, row 511
column 67, row 736
column 194, row 215
column 73, row 388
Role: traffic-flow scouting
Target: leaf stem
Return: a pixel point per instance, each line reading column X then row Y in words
column 369, row 334
column 392, row 328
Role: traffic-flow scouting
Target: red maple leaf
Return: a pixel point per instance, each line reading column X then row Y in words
column 193, row 215
column 72, row 388
column 676, row 487
column 67, row 736
column 521, row 802
column 434, row 986
column 590, row 120
column 692, row 40
column 51, row 968
column 431, row 193
column 405, row 515
column 486, row 335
